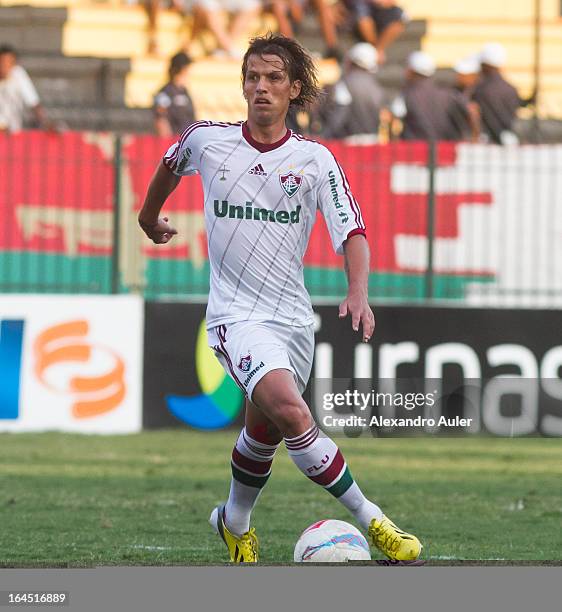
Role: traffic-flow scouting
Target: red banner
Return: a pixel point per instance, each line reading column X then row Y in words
column 57, row 194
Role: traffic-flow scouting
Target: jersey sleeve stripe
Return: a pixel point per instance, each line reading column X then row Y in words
column 352, row 201
column 173, row 158
column 189, row 130
column 362, row 222
column 345, row 187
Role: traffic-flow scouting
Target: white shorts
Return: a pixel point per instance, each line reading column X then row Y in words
column 248, row 350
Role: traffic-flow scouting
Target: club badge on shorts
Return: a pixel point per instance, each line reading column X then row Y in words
column 291, row 183
column 245, row 362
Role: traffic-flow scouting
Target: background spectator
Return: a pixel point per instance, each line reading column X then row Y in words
column 498, row 100
column 152, row 8
column 17, row 94
column 467, row 71
column 378, row 22
column 227, row 20
column 280, row 9
column 429, row 112
column 173, row 107
column 295, row 9
column 353, row 104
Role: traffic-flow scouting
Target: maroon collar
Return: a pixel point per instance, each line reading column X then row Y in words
column 261, row 146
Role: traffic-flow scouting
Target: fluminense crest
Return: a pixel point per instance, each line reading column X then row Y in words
column 291, row 183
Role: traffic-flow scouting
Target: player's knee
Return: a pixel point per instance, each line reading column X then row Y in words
column 293, row 418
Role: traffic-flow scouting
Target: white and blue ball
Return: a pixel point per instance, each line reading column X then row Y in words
column 331, row 541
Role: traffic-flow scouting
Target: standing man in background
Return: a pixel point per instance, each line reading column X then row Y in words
column 353, row 103
column 17, row 94
column 467, row 71
column 429, row 112
column 465, row 113
column 173, row 107
column 498, row 100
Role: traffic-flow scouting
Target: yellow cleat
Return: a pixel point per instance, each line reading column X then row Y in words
column 242, row 549
column 393, row 542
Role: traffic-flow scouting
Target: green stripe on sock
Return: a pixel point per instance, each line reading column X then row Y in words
column 342, row 485
column 248, row 479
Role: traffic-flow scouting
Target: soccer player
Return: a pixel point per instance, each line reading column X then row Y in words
column 262, row 187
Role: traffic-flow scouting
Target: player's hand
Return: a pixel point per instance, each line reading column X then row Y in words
column 357, row 305
column 160, row 232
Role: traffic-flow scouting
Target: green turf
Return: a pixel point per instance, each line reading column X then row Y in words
column 145, row 499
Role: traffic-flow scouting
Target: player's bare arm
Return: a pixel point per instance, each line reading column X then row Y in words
column 356, row 303
column 161, row 186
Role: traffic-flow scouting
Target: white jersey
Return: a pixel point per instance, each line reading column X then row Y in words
column 260, row 205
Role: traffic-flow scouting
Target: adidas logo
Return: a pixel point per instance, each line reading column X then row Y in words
column 258, row 170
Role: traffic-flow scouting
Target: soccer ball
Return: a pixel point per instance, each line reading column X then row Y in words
column 331, row 541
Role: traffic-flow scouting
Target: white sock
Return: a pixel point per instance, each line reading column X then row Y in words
column 319, row 458
column 362, row 509
column 251, row 468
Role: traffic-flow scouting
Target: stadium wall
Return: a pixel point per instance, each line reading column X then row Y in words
column 116, row 364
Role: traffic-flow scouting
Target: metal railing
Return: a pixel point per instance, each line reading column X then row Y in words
column 472, row 223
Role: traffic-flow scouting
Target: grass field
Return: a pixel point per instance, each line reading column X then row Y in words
column 144, row 500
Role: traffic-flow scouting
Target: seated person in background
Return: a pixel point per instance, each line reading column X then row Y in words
column 352, row 105
column 290, row 13
column 152, row 7
column 378, row 22
column 17, row 94
column 173, row 107
column 280, row 9
column 498, row 100
column 211, row 15
column 429, row 112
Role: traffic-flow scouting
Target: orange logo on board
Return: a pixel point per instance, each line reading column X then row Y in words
column 68, row 343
